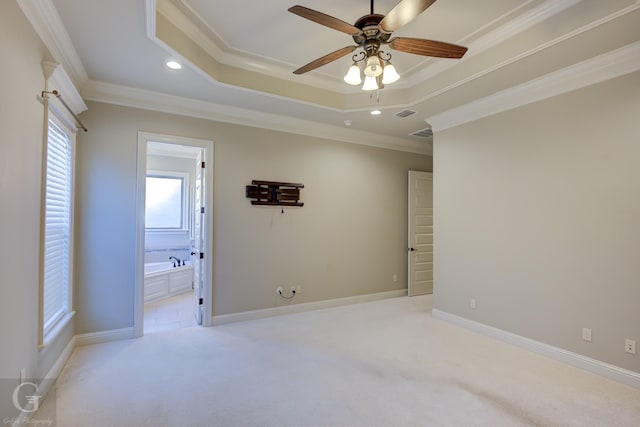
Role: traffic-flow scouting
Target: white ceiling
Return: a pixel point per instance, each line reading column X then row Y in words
column 239, row 56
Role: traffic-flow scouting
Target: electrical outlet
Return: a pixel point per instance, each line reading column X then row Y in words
column 630, row 346
column 472, row 303
column 586, row 334
column 279, row 290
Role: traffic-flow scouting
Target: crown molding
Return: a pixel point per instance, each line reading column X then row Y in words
column 58, row 79
column 607, row 66
column 444, row 66
column 138, row 98
column 517, row 25
column 222, row 52
column 45, row 20
column 219, row 50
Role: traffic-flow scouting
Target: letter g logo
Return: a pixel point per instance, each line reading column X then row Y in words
column 34, row 399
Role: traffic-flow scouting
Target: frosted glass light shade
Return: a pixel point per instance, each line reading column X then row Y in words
column 370, row 83
column 390, row 74
column 353, row 75
column 374, row 67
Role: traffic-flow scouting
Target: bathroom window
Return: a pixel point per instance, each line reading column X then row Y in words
column 166, row 201
column 57, row 239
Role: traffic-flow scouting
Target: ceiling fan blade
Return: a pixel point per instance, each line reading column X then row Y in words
column 428, row 47
column 323, row 19
column 325, row 59
column 403, row 13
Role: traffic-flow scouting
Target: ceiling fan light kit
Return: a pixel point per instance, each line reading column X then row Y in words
column 370, row 83
column 373, row 67
column 389, row 75
column 353, row 77
column 369, row 33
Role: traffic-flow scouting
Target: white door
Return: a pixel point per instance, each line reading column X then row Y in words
column 198, row 251
column 420, row 233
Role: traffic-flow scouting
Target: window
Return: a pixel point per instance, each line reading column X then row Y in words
column 57, row 243
column 166, row 201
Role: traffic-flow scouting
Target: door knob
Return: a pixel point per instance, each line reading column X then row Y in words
column 193, row 253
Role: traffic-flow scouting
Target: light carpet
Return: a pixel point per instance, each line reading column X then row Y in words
column 384, row 363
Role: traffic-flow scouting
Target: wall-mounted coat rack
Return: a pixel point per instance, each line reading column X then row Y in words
column 272, row 193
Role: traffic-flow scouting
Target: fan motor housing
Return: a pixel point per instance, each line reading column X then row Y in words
column 370, row 29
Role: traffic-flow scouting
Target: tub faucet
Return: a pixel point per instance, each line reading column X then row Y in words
column 176, row 260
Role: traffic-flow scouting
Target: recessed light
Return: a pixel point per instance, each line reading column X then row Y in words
column 376, row 112
column 174, row 65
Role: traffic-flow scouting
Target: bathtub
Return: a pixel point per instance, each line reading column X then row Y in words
column 163, row 280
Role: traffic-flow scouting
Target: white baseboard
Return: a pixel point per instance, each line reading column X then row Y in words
column 104, row 336
column 308, row 306
column 604, row 369
column 60, row 362
column 44, row 385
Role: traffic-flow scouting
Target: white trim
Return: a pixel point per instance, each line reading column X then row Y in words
column 529, row 52
column 308, row 306
column 138, row 98
column 57, row 79
column 45, row 386
column 230, row 56
column 45, row 337
column 208, row 146
column 597, row 367
column 515, row 26
column 138, row 299
column 104, row 336
column 600, row 68
column 57, row 367
column 46, row 22
column 50, row 336
column 61, row 361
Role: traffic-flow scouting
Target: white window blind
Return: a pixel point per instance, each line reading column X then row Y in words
column 57, row 235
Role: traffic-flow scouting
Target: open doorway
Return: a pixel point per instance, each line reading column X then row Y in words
column 174, row 230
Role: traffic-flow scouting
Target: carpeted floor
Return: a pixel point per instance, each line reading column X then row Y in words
column 385, row 363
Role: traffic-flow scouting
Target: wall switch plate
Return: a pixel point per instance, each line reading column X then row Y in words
column 630, row 346
column 586, row 334
column 472, row 303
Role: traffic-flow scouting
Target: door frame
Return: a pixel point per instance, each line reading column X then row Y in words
column 208, row 146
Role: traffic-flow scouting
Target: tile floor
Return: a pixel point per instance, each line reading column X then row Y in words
column 170, row 314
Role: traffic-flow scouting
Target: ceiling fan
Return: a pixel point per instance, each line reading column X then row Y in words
column 374, row 30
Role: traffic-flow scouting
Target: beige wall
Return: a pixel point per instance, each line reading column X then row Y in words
column 349, row 238
column 536, row 217
column 21, row 142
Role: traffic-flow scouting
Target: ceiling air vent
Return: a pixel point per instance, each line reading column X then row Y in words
column 424, row 133
column 404, row 113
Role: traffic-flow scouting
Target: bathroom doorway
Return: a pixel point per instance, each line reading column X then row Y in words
column 174, row 230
